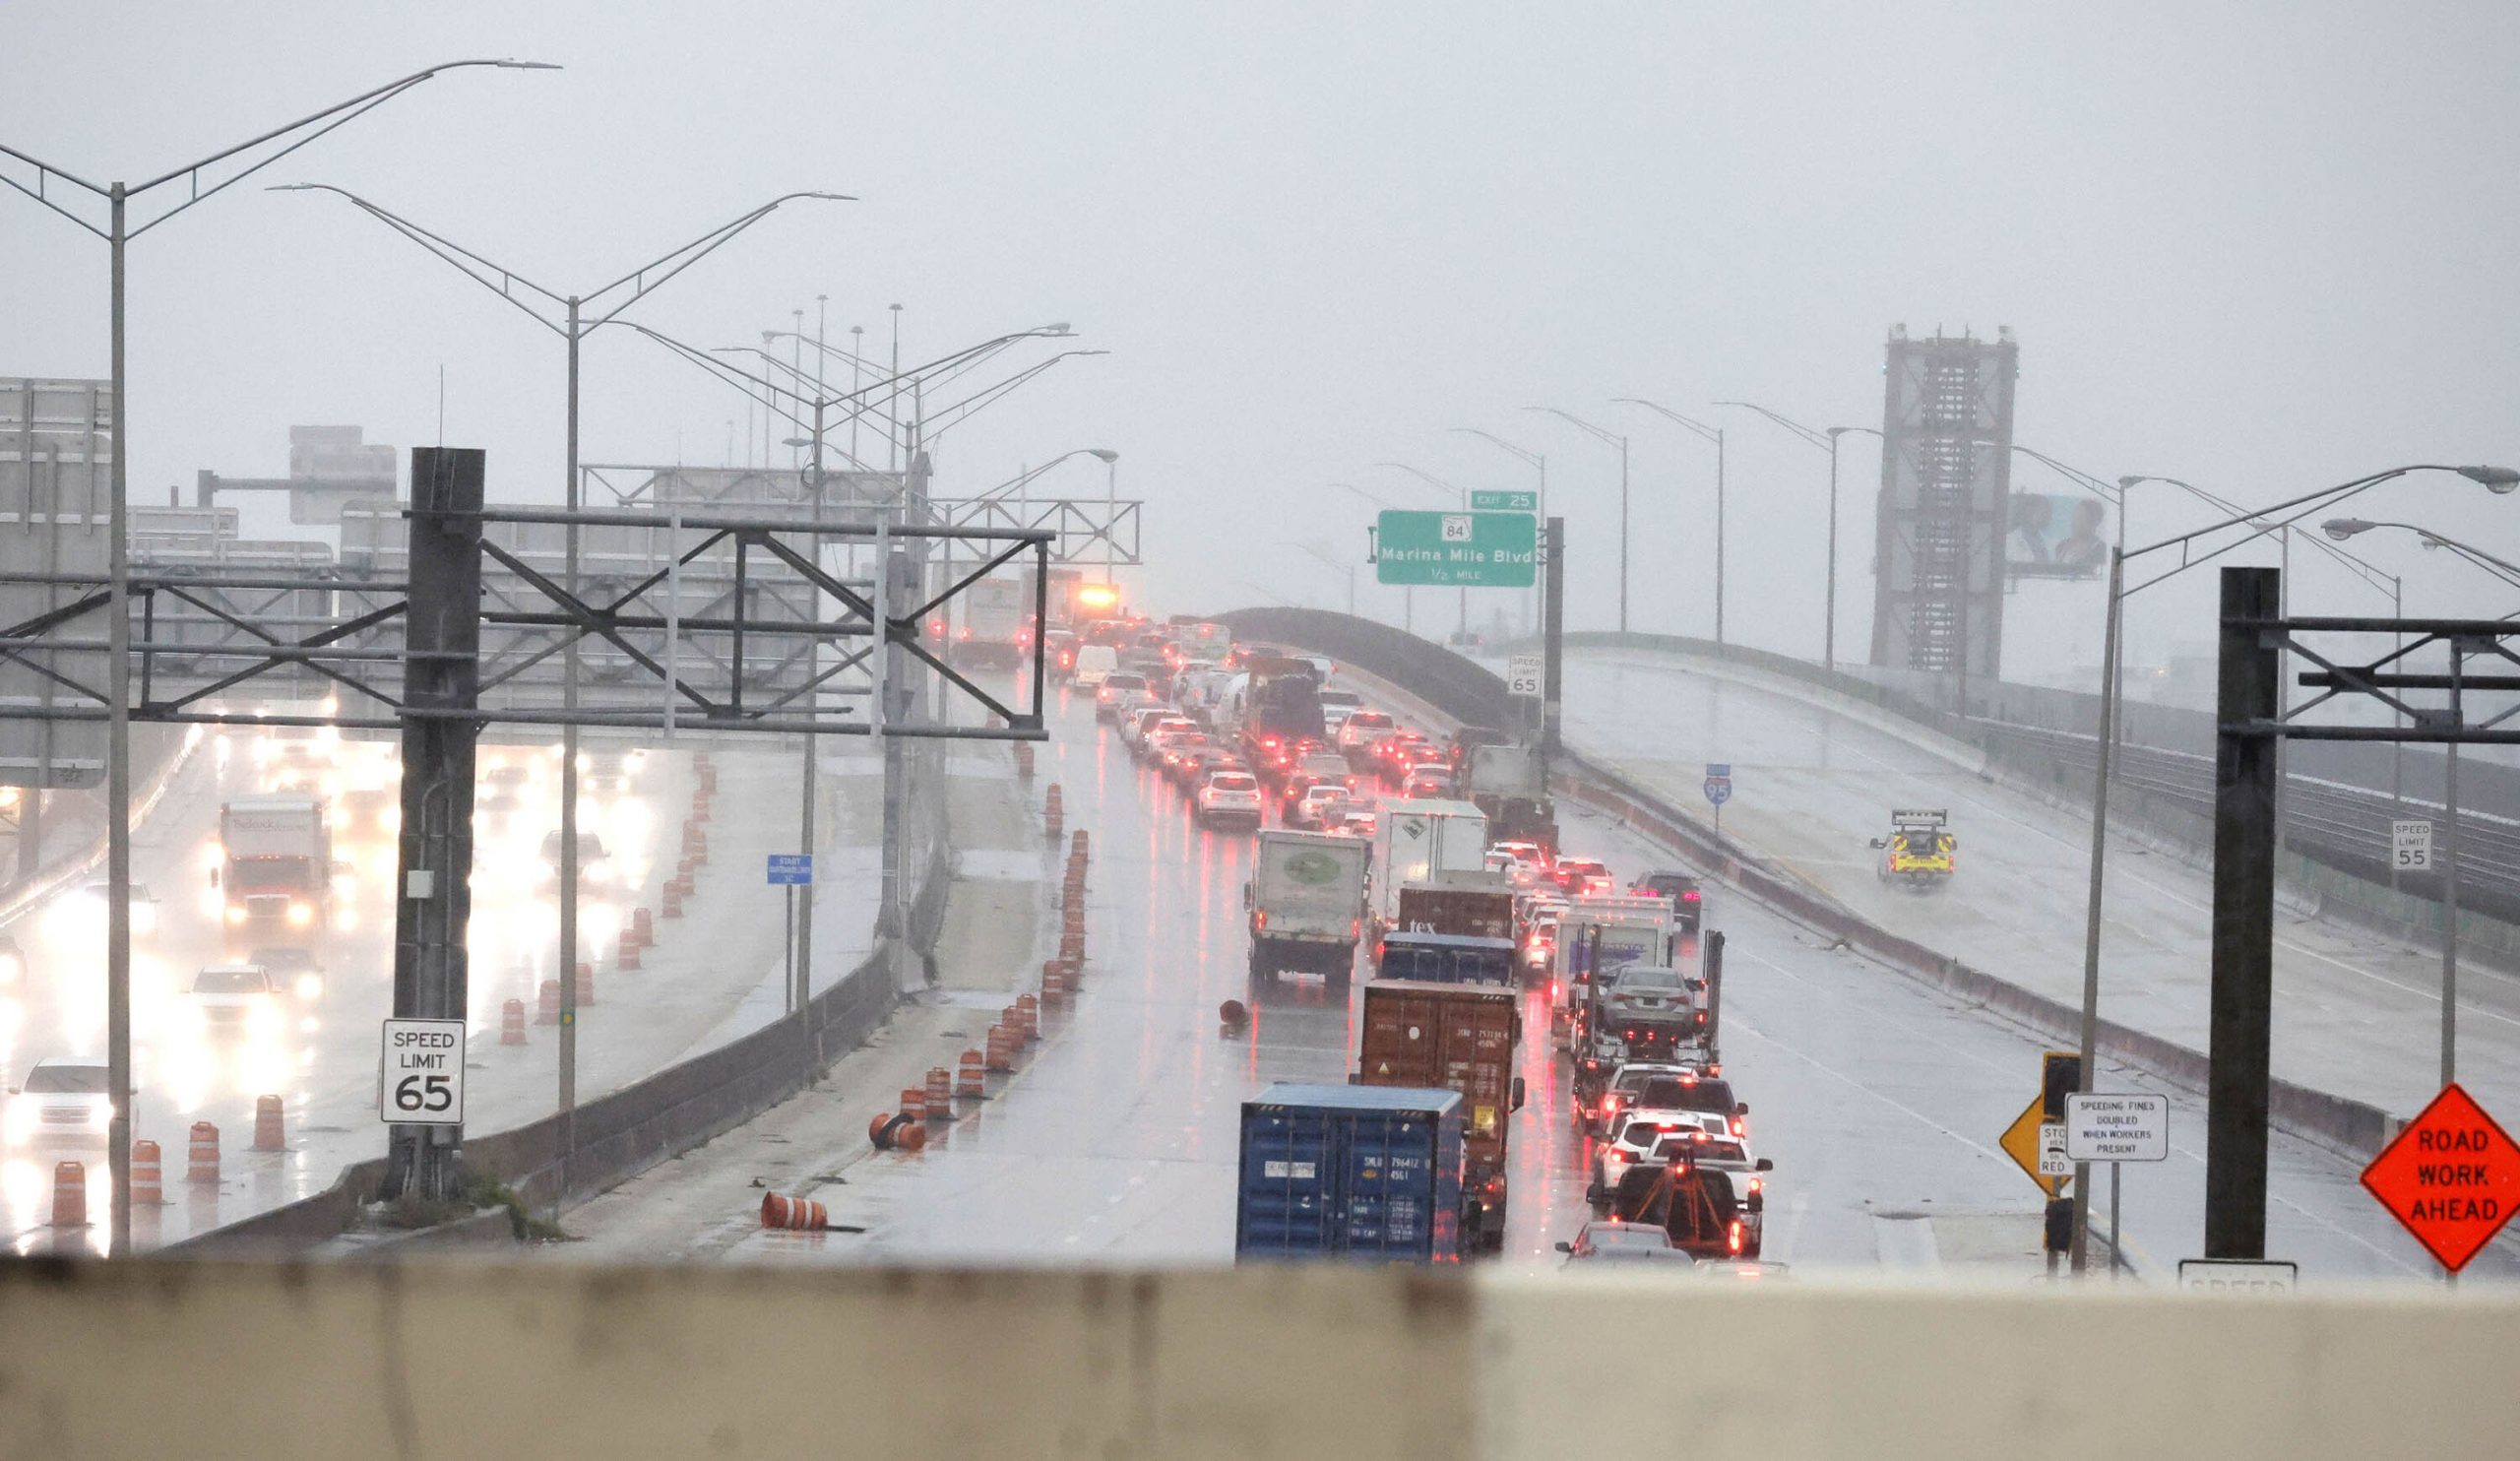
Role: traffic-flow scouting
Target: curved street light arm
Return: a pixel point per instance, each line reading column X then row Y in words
column 1530, row 458
column 1815, row 438
column 498, row 279
column 1375, row 498
column 1428, row 477
column 338, row 114
column 674, row 261
column 1607, row 438
column 2360, row 567
column 2344, row 528
column 970, row 406
column 1711, row 433
column 2499, row 480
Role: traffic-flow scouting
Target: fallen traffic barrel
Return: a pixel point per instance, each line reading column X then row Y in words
column 203, row 1163
column 793, row 1214
column 269, row 1133
column 879, row 1131
column 147, row 1174
column 913, row 1137
column 971, row 1080
column 512, row 1022
column 69, row 1194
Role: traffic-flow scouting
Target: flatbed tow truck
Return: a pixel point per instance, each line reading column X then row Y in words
column 1919, row 852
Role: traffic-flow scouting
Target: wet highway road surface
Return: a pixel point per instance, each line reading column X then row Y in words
column 1879, row 1100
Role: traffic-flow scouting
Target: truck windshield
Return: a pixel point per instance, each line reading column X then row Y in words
column 230, row 981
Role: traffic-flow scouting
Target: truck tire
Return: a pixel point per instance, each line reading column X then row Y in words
column 1264, row 968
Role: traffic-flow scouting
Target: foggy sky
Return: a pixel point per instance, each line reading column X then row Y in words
column 2262, row 247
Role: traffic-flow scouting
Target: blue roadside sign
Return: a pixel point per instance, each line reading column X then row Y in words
column 790, row 869
column 1718, row 782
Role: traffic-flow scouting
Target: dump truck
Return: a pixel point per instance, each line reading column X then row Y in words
column 1461, row 1038
column 1307, row 900
column 1370, row 1174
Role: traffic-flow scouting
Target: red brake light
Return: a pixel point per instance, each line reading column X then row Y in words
column 1737, row 1234
column 1690, row 897
column 1736, row 1125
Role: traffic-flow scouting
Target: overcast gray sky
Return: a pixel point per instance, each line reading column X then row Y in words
column 2261, row 246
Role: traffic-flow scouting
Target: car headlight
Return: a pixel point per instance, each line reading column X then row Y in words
column 236, row 913
column 310, row 985
column 302, row 915
column 20, row 1123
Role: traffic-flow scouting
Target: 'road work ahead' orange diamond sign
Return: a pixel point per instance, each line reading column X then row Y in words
column 2452, row 1176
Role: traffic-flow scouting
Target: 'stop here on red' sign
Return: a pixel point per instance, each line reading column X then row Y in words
column 2452, row 1178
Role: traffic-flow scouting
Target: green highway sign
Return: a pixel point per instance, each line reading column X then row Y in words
column 1456, row 549
column 1504, row 501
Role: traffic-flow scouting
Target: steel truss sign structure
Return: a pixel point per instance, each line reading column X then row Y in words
column 2386, row 669
column 683, row 621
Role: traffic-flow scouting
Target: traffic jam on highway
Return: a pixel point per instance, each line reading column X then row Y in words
column 1425, row 870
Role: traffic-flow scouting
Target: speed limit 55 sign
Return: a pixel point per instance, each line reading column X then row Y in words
column 424, row 1074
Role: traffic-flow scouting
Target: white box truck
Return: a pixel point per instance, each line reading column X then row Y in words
column 1307, row 903
column 275, row 872
column 1417, row 838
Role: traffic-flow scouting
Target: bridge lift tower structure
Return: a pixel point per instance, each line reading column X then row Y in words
column 1946, row 478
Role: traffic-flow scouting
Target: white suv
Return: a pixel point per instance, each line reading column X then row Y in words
column 1229, row 797
column 64, row 1100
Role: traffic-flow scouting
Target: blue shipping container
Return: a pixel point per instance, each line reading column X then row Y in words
column 1369, row 1173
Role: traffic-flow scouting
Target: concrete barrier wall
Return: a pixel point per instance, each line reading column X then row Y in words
column 1266, row 1363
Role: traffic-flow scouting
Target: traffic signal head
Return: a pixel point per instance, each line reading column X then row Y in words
column 2060, row 1075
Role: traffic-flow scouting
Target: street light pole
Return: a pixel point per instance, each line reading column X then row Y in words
column 1532, row 611
column 2496, row 479
column 1828, row 441
column 117, row 236
column 2341, row 529
column 416, row 1163
column 1714, row 435
column 1611, row 438
column 1407, row 594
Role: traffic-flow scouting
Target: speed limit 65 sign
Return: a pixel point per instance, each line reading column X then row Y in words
column 424, row 1074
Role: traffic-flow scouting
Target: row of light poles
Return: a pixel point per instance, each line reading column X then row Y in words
column 117, row 233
